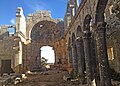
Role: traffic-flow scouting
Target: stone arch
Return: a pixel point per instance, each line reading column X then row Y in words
column 43, row 33
column 101, row 44
column 31, row 24
column 86, row 23
column 101, row 5
column 46, row 31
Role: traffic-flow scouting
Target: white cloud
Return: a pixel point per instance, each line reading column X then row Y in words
column 12, row 21
column 36, row 5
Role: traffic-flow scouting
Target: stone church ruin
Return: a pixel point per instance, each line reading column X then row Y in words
column 86, row 43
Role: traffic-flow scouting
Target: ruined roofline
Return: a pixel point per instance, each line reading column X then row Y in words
column 7, row 26
column 43, row 11
column 42, row 14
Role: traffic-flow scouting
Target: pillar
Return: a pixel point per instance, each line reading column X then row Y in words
column 95, row 68
column 81, row 59
column 70, row 60
column 105, row 79
column 74, row 56
column 39, row 58
column 86, row 41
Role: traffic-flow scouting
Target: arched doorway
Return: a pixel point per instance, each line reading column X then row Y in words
column 48, row 53
column 44, row 33
column 47, row 56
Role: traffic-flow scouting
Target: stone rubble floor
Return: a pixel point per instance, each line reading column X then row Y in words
column 48, row 78
column 51, row 78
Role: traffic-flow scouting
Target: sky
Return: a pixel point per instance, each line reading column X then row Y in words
column 8, row 8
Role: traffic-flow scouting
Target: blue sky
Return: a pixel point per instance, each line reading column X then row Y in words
column 8, row 8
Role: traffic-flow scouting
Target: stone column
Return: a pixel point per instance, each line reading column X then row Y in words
column 56, row 55
column 94, row 60
column 105, row 79
column 81, row 59
column 74, row 56
column 70, row 67
column 69, row 55
column 86, row 41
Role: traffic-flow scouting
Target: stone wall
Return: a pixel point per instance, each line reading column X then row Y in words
column 8, row 51
column 20, row 21
column 113, row 31
column 4, row 32
column 10, row 47
column 89, row 7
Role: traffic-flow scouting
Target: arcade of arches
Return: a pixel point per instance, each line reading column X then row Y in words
column 83, row 42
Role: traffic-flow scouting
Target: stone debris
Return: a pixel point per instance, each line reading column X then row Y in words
column 49, row 78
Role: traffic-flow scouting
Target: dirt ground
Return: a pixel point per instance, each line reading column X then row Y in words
column 48, row 78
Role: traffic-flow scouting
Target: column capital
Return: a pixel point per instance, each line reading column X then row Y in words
column 101, row 26
column 78, row 39
column 86, row 34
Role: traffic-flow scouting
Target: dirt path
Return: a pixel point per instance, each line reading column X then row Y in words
column 48, row 78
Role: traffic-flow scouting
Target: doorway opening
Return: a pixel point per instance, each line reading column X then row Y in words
column 5, row 66
column 48, row 53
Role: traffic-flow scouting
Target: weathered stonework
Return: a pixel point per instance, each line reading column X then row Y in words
column 71, row 39
column 42, row 30
column 10, row 49
column 113, row 31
